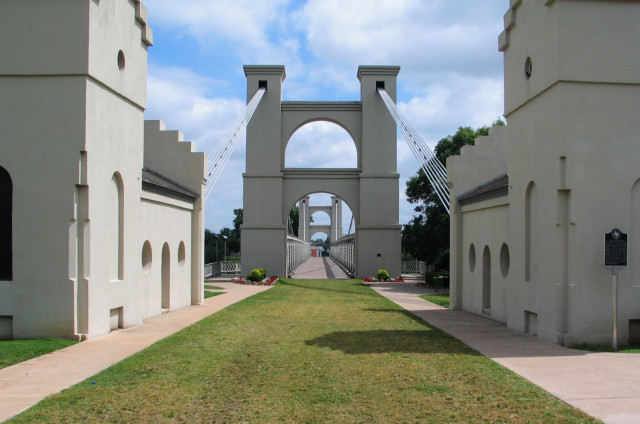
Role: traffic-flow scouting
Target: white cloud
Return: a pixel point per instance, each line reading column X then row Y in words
column 181, row 99
column 451, row 71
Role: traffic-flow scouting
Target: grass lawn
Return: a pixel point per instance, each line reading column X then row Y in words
column 607, row 348
column 307, row 351
column 209, row 287
column 14, row 351
column 438, row 299
column 208, row 294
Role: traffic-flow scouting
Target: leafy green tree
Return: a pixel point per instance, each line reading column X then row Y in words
column 426, row 236
column 213, row 241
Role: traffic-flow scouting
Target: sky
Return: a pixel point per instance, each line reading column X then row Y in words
column 451, row 73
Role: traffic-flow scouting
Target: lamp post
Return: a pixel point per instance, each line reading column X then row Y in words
column 225, row 247
column 216, row 247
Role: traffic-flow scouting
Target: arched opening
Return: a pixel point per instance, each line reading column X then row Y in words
column 472, row 257
column 529, row 210
column 486, row 280
column 147, row 258
column 166, row 277
column 505, row 260
column 319, row 243
column 181, row 254
column 321, row 212
column 6, row 225
column 321, row 144
column 118, row 233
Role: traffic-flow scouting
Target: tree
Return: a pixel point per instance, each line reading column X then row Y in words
column 294, row 220
column 426, row 236
column 213, row 241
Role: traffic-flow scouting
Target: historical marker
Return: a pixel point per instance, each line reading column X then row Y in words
column 615, row 249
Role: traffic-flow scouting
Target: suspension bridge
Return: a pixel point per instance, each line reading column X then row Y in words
column 342, row 250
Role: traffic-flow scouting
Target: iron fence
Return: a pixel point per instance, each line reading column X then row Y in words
column 413, row 267
column 216, row 269
column 343, row 251
column 297, row 252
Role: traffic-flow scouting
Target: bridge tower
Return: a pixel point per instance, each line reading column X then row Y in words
column 370, row 190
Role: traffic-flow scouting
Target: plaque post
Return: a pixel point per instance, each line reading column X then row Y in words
column 615, row 259
column 614, row 341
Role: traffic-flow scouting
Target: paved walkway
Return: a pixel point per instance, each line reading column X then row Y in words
column 604, row 385
column 27, row 383
column 319, row 268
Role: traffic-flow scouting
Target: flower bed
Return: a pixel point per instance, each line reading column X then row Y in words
column 266, row 282
column 372, row 280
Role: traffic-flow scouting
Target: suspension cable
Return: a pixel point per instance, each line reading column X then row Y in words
column 221, row 153
column 434, row 170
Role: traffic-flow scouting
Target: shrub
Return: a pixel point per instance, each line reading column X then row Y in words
column 382, row 275
column 439, row 280
column 257, row 274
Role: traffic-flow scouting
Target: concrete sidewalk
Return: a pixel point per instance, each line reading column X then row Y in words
column 604, row 385
column 319, row 268
column 27, row 383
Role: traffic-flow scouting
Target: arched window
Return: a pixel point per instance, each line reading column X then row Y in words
column 165, row 277
column 321, row 144
column 486, row 280
column 6, row 225
column 119, row 227
column 529, row 209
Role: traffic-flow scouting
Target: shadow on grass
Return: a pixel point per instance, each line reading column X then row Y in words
column 288, row 282
column 403, row 312
column 391, row 341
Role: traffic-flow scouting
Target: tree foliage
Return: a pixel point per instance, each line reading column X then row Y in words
column 426, row 236
column 214, row 244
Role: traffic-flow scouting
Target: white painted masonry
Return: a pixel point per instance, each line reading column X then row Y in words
column 74, row 143
column 570, row 151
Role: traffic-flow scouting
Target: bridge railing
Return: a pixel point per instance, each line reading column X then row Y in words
column 413, row 267
column 216, row 269
column 343, row 251
column 297, row 252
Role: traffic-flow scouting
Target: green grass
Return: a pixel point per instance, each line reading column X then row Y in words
column 209, row 287
column 607, row 348
column 14, row 351
column 438, row 299
column 307, row 351
column 208, row 294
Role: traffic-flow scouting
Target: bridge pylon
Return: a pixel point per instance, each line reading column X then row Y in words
column 371, row 190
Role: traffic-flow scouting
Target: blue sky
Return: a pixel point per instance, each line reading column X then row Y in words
column 451, row 71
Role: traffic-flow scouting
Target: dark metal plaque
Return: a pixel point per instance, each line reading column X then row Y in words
column 615, row 248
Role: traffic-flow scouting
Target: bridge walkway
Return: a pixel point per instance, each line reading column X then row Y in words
column 320, row 268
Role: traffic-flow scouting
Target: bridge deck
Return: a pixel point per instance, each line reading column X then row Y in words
column 319, row 269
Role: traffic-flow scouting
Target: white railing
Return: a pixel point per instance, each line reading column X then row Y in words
column 413, row 267
column 343, row 251
column 216, row 269
column 297, row 252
